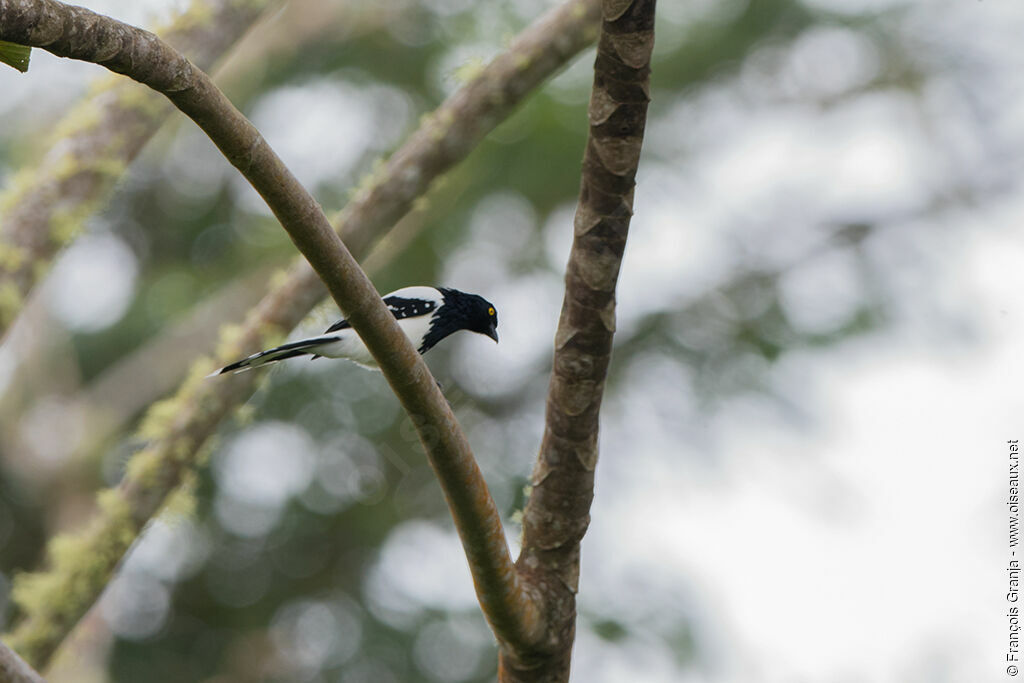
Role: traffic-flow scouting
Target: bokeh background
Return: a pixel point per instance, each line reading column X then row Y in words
column 803, row 469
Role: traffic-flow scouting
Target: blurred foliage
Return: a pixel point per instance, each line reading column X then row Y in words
column 244, row 598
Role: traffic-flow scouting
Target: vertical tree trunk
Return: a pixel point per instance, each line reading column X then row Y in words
column 558, row 511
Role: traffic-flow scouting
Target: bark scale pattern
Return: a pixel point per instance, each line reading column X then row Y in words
column 91, row 149
column 558, row 512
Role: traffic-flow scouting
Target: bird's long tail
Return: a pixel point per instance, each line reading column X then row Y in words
column 304, row 347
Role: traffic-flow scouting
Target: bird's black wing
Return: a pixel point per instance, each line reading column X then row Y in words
column 400, row 306
column 340, row 325
column 405, row 307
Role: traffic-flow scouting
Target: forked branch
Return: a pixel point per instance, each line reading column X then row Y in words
column 441, row 142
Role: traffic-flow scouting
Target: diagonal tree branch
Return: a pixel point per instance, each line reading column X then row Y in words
column 44, row 209
column 177, row 430
column 13, row 668
column 558, row 512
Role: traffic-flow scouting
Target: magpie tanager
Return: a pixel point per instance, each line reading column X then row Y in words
column 426, row 315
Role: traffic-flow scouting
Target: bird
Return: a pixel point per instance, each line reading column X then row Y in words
column 426, row 315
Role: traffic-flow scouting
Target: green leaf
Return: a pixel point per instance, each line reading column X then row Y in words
column 610, row 630
column 15, row 55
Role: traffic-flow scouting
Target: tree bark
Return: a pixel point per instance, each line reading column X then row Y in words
column 54, row 601
column 558, row 512
column 13, row 668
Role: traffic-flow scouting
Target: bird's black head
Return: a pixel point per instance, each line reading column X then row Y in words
column 461, row 311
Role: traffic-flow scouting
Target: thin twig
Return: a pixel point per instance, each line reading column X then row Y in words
column 179, row 428
column 558, row 512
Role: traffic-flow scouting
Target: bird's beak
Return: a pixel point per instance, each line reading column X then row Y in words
column 492, row 332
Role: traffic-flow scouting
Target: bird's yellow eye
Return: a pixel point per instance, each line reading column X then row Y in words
column 490, row 311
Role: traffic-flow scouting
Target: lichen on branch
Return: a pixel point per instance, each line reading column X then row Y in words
column 44, row 209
